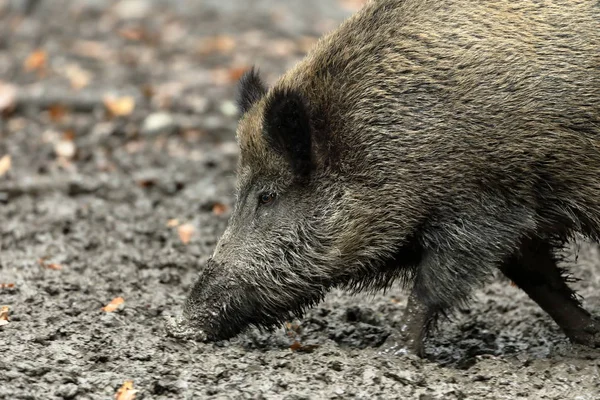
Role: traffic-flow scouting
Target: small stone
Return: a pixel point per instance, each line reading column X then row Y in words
column 229, row 109
column 68, row 391
column 132, row 9
column 159, row 123
column 65, row 149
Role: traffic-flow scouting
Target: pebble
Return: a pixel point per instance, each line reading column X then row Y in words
column 132, row 9
column 159, row 123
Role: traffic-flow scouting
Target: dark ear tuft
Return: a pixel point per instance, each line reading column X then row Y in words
column 250, row 89
column 287, row 129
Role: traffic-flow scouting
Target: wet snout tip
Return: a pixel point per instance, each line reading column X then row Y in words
column 179, row 328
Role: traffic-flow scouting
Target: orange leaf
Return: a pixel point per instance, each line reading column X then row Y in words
column 296, row 346
column 114, row 304
column 57, row 112
column 219, row 209
column 119, row 106
column 7, row 285
column 4, row 316
column 185, row 232
column 133, row 34
column 36, row 61
column 126, row 392
column 217, row 44
column 172, row 223
column 54, row 266
column 5, row 164
column 236, row 73
column 8, row 96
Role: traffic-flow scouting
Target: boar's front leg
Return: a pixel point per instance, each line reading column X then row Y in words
column 418, row 319
column 535, row 271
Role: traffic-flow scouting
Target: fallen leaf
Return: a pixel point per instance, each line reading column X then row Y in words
column 93, row 49
column 146, row 183
column 5, row 164
column 53, row 266
column 4, row 320
column 298, row 347
column 217, row 44
column 114, row 304
column 172, row 223
column 8, row 96
column 219, row 209
column 36, row 61
column 7, row 285
column 57, row 112
column 295, row 346
column 78, row 77
column 126, row 392
column 236, row 73
column 119, row 106
column 68, row 135
column 133, row 34
column 185, row 232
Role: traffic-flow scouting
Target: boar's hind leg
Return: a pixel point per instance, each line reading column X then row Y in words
column 535, row 271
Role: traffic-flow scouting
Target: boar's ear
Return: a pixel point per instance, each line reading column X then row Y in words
column 250, row 89
column 287, row 129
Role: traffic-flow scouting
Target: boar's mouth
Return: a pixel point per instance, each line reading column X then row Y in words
column 220, row 305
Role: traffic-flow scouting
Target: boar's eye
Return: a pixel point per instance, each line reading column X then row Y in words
column 266, row 198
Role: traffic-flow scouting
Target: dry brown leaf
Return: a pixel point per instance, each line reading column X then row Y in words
column 7, row 285
column 185, row 231
column 5, row 164
column 53, row 266
column 236, row 73
column 172, row 223
column 93, row 49
column 114, row 304
column 4, row 320
column 57, row 112
column 126, row 392
column 219, row 209
column 68, row 135
column 8, row 96
column 297, row 346
column 119, row 106
column 36, row 61
column 218, row 44
column 133, row 34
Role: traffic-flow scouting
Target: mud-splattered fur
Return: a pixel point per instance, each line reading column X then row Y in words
column 442, row 135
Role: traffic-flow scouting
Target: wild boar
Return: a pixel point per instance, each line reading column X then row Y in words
column 430, row 142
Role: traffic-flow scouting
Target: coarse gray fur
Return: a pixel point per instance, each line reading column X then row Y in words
column 426, row 140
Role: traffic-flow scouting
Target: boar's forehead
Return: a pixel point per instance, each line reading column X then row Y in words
column 257, row 158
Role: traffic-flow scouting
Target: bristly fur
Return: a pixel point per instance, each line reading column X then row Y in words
column 438, row 141
column 250, row 89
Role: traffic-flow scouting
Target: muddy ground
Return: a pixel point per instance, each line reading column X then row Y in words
column 87, row 215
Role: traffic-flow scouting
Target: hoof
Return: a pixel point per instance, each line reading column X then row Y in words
column 400, row 344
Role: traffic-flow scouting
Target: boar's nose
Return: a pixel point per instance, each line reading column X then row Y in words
column 180, row 328
column 192, row 322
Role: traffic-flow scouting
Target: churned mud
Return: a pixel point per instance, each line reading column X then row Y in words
column 125, row 196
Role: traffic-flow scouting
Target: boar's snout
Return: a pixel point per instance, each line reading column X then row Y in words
column 207, row 307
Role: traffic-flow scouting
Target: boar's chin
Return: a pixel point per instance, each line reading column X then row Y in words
column 220, row 307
